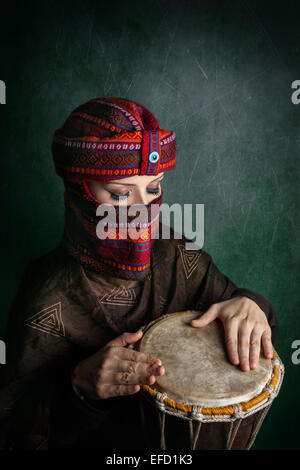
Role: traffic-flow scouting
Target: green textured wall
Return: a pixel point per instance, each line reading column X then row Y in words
column 217, row 73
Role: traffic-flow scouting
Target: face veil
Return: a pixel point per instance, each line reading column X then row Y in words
column 119, row 254
column 107, row 139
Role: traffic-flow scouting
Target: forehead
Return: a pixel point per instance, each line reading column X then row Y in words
column 137, row 179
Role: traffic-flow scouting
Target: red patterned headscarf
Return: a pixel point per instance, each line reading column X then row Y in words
column 107, row 139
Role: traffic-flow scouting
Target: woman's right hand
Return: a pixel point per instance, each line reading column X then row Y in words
column 115, row 370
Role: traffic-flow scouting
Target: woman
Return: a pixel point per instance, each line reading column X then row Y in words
column 70, row 381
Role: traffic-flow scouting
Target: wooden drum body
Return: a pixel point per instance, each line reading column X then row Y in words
column 200, row 385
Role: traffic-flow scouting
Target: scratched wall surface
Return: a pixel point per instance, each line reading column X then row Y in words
column 217, row 73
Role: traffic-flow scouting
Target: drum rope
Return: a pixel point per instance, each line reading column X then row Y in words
column 233, row 432
column 194, row 437
column 258, row 426
column 162, row 420
column 266, row 409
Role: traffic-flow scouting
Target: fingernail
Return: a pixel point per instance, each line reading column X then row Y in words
column 157, row 362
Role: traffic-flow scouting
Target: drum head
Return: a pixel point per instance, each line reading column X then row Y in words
column 197, row 370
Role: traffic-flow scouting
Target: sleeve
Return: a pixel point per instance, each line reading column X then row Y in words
column 73, row 418
column 32, row 356
column 37, row 399
column 216, row 287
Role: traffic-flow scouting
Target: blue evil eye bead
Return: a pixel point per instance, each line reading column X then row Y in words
column 153, row 157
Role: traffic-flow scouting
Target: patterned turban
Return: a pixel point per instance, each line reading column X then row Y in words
column 112, row 138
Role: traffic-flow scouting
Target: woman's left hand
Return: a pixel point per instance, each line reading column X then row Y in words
column 246, row 328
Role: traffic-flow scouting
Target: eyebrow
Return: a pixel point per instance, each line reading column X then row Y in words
column 128, row 184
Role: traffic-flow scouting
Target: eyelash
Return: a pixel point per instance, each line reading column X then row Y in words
column 125, row 196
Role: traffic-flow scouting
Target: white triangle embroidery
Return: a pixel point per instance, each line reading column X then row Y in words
column 48, row 320
column 119, row 296
column 190, row 259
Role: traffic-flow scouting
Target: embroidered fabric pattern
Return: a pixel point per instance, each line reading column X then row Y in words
column 114, row 255
column 107, row 139
column 112, row 138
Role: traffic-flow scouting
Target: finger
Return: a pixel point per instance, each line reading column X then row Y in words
column 127, row 378
column 131, row 355
column 255, row 342
column 107, row 391
column 126, row 338
column 207, row 317
column 138, row 367
column 244, row 344
column 231, row 340
column 267, row 344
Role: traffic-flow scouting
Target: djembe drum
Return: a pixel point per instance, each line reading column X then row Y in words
column 201, row 386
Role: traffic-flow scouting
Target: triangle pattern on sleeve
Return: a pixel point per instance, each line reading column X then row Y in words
column 190, row 259
column 48, row 320
column 119, row 296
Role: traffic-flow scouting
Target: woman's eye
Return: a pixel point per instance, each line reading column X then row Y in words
column 153, row 190
column 119, row 197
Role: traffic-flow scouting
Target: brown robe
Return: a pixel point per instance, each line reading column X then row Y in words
column 62, row 315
